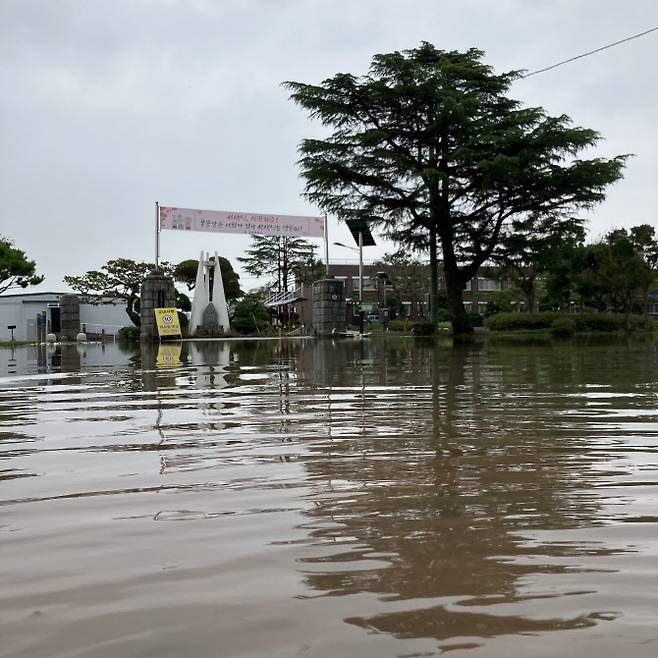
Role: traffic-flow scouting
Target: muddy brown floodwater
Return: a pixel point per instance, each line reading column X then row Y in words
column 317, row 498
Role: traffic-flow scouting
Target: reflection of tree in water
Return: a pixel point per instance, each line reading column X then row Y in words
column 437, row 461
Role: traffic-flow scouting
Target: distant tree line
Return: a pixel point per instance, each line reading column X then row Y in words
column 550, row 270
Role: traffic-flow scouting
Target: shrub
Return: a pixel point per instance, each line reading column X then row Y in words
column 128, row 334
column 475, row 319
column 400, row 325
column 610, row 322
column 444, row 327
column 423, row 328
column 251, row 316
column 563, row 327
column 583, row 322
column 520, row 321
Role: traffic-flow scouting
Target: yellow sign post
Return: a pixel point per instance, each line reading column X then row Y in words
column 167, row 321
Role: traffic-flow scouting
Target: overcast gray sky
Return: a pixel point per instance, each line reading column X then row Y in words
column 110, row 106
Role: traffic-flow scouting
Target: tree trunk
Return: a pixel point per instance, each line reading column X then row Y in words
column 530, row 294
column 284, row 266
column 130, row 310
column 434, row 278
column 455, row 281
column 458, row 316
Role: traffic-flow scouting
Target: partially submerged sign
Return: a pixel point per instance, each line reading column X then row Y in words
column 167, row 322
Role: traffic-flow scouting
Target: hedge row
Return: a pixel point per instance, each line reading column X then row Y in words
column 416, row 327
column 582, row 321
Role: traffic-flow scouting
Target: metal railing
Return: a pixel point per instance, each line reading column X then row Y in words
column 100, row 328
column 284, row 298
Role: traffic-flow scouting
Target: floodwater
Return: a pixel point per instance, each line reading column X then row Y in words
column 318, row 498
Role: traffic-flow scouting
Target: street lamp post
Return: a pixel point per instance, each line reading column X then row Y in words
column 360, row 250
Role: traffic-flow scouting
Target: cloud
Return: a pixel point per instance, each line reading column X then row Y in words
column 108, row 107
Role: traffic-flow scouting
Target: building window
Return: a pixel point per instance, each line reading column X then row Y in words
column 488, row 285
column 369, row 284
column 467, row 286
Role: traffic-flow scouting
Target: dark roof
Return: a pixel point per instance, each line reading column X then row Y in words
column 357, row 226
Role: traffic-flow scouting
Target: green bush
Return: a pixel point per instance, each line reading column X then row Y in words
column 442, row 315
column 444, row 327
column 583, row 322
column 128, row 334
column 423, row 328
column 251, row 316
column 401, row 325
column 520, row 321
column 563, row 327
column 610, row 322
column 475, row 319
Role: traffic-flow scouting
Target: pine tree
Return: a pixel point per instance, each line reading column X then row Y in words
column 278, row 258
column 429, row 146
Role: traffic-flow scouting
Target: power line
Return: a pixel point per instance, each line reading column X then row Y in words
column 591, row 52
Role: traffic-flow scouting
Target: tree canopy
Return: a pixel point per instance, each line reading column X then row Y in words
column 121, row 278
column 185, row 272
column 250, row 316
column 429, row 146
column 16, row 271
column 615, row 272
column 530, row 246
column 280, row 258
column 408, row 276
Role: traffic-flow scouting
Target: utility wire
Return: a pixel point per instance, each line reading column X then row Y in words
column 591, row 52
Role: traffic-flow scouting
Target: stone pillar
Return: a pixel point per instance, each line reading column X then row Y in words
column 328, row 307
column 158, row 291
column 69, row 315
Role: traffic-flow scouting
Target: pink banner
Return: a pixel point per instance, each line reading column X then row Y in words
column 219, row 221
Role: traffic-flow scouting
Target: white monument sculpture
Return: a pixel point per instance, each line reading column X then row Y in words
column 209, row 313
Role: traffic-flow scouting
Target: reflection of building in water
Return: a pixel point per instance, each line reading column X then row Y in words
column 21, row 360
column 429, row 470
column 210, row 360
column 202, row 385
column 37, row 359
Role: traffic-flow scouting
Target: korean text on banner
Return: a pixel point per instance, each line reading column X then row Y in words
column 167, row 322
column 219, row 221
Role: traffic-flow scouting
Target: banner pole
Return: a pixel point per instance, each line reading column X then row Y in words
column 157, row 235
column 326, row 243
